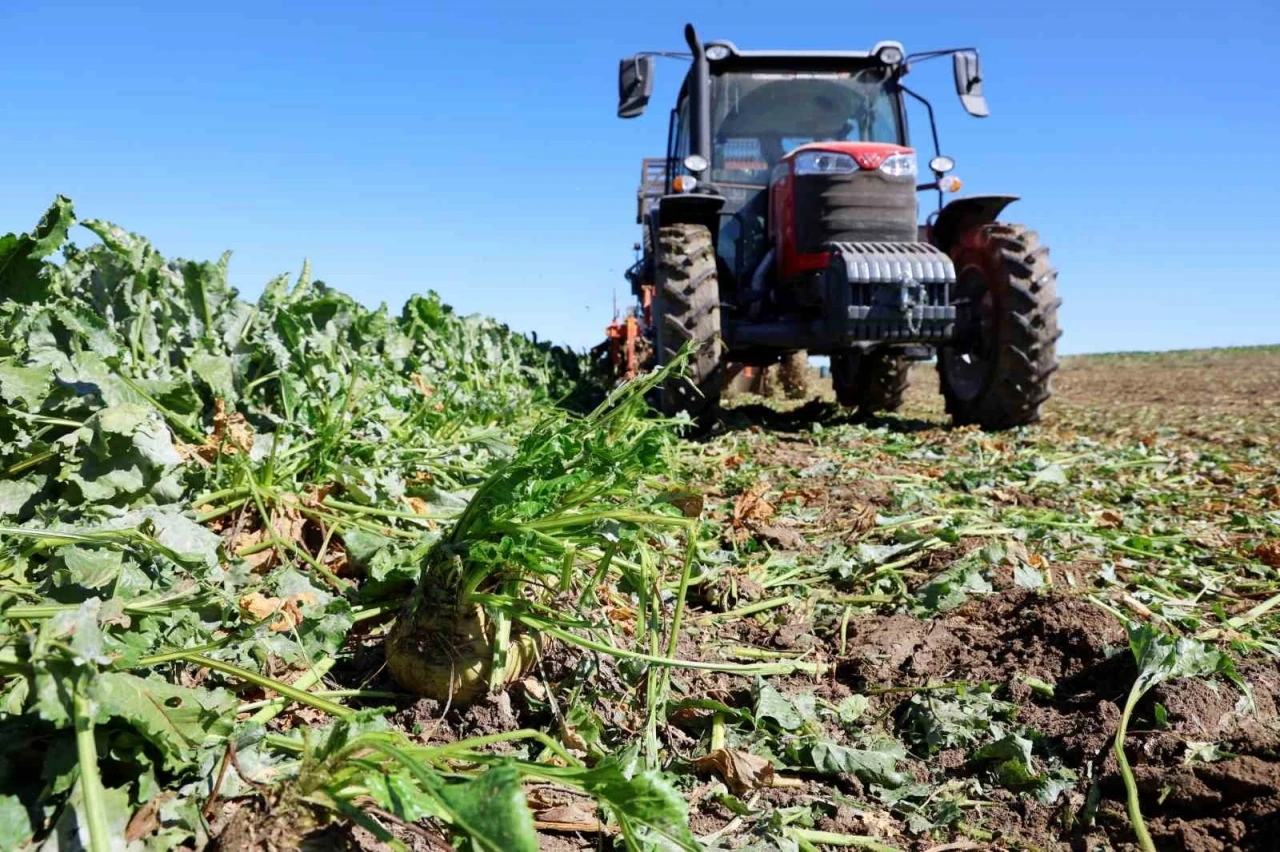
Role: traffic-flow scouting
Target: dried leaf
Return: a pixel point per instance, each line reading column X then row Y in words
column 1269, row 553
column 1110, row 519
column 739, row 770
column 288, row 610
column 750, row 507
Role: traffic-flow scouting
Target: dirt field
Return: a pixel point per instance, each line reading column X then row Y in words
column 939, row 624
column 971, row 593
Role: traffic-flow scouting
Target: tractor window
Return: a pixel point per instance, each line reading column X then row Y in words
column 758, row 116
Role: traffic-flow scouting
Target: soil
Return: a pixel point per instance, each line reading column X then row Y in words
column 1201, row 401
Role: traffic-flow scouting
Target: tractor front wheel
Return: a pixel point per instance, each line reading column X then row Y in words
column 997, row 372
column 870, row 382
column 687, row 308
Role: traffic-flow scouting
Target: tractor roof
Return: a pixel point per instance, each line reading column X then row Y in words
column 786, row 59
column 735, row 52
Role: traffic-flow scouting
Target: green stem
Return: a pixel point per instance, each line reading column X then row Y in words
column 673, row 639
column 828, row 838
column 19, row 467
column 748, row 670
column 491, row 739
column 357, row 509
column 750, row 609
column 95, row 801
column 305, row 681
column 266, row 683
column 1126, row 772
column 322, row 693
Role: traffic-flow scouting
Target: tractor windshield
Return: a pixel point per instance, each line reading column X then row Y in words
column 758, row 116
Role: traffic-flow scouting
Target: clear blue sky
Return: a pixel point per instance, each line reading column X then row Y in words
column 471, row 147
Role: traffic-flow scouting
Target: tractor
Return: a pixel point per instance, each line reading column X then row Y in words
column 784, row 219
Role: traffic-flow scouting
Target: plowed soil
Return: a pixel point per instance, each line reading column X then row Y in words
column 1213, row 416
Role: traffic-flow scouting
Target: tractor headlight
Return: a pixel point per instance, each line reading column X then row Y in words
column 696, row 163
column 899, row 165
column 824, row 163
column 942, row 164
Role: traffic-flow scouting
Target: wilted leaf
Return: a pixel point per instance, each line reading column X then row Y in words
column 876, row 765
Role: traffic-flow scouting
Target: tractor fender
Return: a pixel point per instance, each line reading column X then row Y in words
column 681, row 209
column 690, row 209
column 961, row 214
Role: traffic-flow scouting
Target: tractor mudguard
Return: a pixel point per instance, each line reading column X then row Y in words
column 961, row 214
column 690, row 209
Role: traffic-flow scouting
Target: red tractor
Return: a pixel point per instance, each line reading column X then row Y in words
column 784, row 218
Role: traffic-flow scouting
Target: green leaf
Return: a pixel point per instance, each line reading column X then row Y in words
column 123, row 419
column 642, row 801
column 15, row 494
column 28, row 385
column 187, row 540
column 1027, row 577
column 936, row 721
column 217, row 372
column 771, row 704
column 177, row 720
column 1011, row 747
column 15, row 823
column 1160, row 658
column 491, row 810
column 851, row 709
column 22, row 272
column 91, row 568
column 951, row 588
column 877, row 765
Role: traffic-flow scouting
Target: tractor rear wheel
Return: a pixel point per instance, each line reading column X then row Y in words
column 687, row 308
column 871, row 381
column 997, row 373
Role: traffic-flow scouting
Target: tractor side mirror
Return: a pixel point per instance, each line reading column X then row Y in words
column 635, row 85
column 969, row 84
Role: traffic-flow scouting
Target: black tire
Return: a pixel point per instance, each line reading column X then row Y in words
column 870, row 382
column 793, row 375
column 999, row 372
column 687, row 308
column 883, row 378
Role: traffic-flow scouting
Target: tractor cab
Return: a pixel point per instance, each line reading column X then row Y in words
column 763, row 112
column 785, row 216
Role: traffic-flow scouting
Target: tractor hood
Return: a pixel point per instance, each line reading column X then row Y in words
column 868, row 155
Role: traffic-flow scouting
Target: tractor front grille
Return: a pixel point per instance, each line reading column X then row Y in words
column 864, row 207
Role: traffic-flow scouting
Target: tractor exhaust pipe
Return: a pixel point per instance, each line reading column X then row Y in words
column 699, row 97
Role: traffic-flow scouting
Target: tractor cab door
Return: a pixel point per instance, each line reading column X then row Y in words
column 740, row 175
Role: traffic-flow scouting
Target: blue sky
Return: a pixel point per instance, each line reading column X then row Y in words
column 472, row 148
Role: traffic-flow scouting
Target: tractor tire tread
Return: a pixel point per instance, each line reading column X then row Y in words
column 687, row 309
column 1027, row 357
